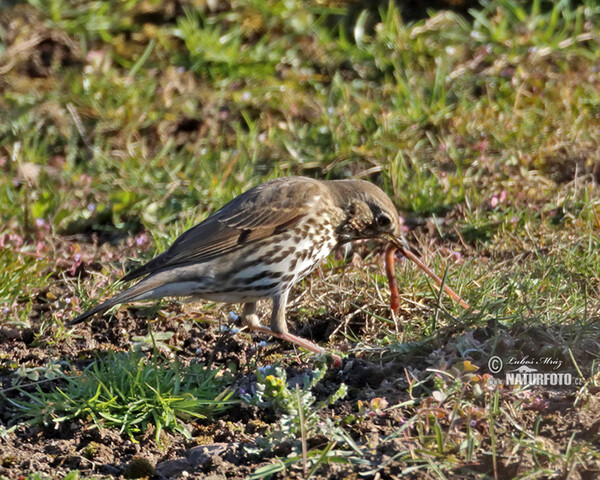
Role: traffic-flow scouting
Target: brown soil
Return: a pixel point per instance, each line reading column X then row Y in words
column 226, row 447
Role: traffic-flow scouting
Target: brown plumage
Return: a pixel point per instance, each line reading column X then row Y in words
column 261, row 243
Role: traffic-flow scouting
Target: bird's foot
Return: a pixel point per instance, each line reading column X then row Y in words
column 301, row 342
column 251, row 321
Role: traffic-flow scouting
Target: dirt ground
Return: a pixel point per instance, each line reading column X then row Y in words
column 226, row 447
column 419, row 403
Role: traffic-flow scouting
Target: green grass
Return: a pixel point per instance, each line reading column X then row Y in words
column 74, row 475
column 129, row 122
column 129, row 392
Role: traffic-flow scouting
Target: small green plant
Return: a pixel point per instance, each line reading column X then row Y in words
column 130, row 392
column 5, row 433
column 300, row 421
column 51, row 371
column 272, row 390
column 152, row 341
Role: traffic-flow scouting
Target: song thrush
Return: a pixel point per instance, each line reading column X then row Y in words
column 260, row 244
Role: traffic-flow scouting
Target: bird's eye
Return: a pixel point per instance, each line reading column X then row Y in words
column 383, row 220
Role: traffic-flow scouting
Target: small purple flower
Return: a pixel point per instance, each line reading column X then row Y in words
column 141, row 240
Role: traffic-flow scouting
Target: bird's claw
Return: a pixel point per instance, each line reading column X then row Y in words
column 253, row 324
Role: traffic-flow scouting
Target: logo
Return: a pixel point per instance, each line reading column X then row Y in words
column 526, row 373
column 495, row 364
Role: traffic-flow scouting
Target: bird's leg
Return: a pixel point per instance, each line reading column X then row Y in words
column 278, row 323
column 249, row 316
column 279, row 327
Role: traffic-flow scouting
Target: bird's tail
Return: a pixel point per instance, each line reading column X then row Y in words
column 147, row 289
column 93, row 311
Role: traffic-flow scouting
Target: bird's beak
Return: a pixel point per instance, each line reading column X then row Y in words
column 398, row 241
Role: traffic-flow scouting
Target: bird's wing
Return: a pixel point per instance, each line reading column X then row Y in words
column 270, row 208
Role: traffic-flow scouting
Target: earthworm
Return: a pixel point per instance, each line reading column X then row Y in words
column 390, row 271
column 411, row 256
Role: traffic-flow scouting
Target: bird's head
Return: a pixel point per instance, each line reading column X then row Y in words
column 369, row 211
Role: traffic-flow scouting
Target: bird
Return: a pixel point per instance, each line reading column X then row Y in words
column 262, row 243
